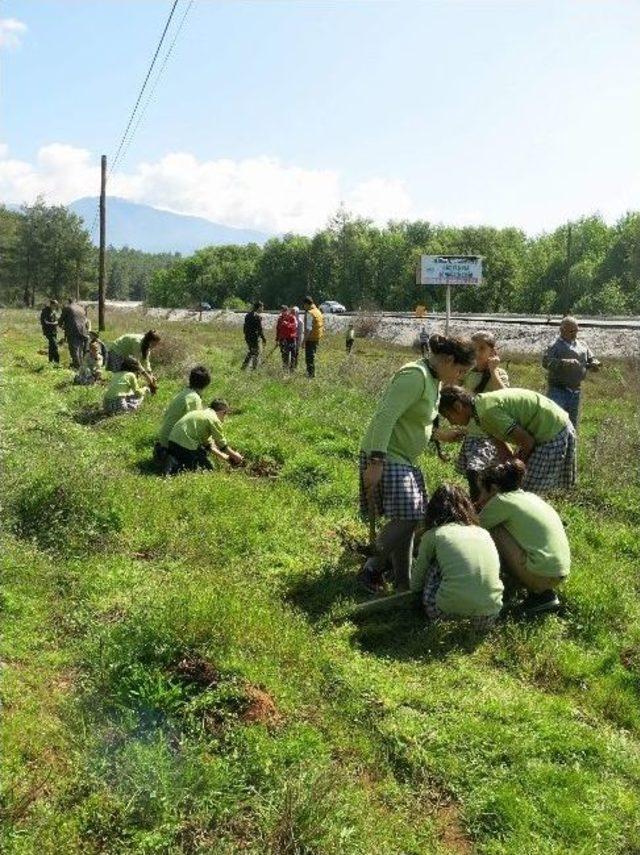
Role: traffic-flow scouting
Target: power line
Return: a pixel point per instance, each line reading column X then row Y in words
column 152, row 91
column 114, row 160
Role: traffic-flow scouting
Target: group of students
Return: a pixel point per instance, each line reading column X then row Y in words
column 479, row 547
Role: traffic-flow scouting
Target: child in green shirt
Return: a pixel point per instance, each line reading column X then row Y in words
column 457, row 568
column 124, row 393
column 478, row 449
column 186, row 400
column 391, row 483
column 541, row 430
column 528, row 533
column 196, row 435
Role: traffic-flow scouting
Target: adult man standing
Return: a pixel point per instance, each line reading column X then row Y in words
column 49, row 324
column 73, row 320
column 253, row 334
column 567, row 361
column 313, row 331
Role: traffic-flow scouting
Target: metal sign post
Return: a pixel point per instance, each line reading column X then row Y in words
column 449, row 270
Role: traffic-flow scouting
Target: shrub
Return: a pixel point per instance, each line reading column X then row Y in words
column 367, row 322
column 235, row 304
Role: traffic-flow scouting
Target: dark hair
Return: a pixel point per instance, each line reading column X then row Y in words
column 219, row 404
column 460, row 348
column 506, row 476
column 485, row 337
column 451, row 395
column 308, row 300
column 450, row 504
column 145, row 344
column 258, row 305
column 130, row 364
column 199, row 377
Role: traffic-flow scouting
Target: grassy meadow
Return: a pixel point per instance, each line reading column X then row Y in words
column 180, row 670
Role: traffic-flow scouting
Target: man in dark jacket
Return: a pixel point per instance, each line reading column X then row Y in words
column 73, row 320
column 253, row 334
column 49, row 324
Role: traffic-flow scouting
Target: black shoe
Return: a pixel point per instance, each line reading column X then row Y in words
column 537, row 604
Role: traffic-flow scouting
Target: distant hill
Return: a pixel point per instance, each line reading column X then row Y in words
column 151, row 230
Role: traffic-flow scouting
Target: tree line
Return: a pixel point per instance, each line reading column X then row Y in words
column 586, row 267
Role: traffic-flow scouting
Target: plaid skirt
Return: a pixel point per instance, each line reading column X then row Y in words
column 400, row 494
column 553, row 465
column 477, row 453
column 122, row 404
column 429, row 594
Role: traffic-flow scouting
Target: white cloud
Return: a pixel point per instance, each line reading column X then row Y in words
column 11, row 31
column 260, row 192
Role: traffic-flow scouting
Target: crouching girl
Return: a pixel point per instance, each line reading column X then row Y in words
column 124, row 392
column 457, row 568
column 528, row 533
column 198, row 434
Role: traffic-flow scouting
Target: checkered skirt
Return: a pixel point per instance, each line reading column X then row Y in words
column 553, row 465
column 401, row 493
column 477, row 453
column 122, row 404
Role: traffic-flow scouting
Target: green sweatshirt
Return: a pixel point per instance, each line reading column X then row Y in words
column 471, row 383
column 122, row 383
column 498, row 413
column 535, row 526
column 470, row 568
column 402, row 424
column 184, row 402
column 131, row 345
column 196, row 428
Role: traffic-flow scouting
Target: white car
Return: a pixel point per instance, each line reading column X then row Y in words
column 332, row 307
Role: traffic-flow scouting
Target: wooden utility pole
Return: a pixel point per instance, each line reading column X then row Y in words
column 568, row 275
column 103, row 236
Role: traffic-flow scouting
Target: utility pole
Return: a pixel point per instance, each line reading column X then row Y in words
column 568, row 274
column 103, row 235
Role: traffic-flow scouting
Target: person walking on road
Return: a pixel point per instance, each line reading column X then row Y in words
column 567, row 361
column 49, row 324
column 286, row 337
column 253, row 334
column 73, row 320
column 313, row 332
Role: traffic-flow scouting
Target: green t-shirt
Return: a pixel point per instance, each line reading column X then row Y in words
column 535, row 526
column 470, row 568
column 131, row 345
column 122, row 383
column 498, row 413
column 184, row 402
column 471, row 383
column 402, row 424
column 196, row 428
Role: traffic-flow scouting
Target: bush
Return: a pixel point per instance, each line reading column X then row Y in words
column 174, row 355
column 367, row 322
column 235, row 304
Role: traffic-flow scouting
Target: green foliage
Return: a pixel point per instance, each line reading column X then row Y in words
column 131, row 673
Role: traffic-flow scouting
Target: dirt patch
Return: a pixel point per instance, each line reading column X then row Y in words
column 262, row 467
column 630, row 658
column 197, row 671
column 90, row 415
column 260, row 708
column 451, row 832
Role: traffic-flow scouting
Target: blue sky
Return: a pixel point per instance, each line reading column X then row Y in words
column 271, row 113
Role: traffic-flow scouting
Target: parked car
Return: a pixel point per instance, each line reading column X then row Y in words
column 332, row 307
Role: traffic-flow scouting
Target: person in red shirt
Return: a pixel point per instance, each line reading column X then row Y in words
column 287, row 337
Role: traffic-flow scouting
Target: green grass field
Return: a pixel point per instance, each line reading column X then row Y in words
column 180, row 672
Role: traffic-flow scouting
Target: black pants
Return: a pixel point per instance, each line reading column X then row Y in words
column 189, row 460
column 349, row 344
column 77, row 346
column 288, row 353
column 310, row 348
column 424, row 349
column 253, row 354
column 54, row 354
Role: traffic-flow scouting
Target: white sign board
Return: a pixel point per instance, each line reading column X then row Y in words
column 450, row 270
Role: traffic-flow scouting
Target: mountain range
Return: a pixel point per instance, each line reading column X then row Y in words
column 152, row 230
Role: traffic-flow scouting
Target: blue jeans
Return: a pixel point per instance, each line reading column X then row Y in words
column 568, row 399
